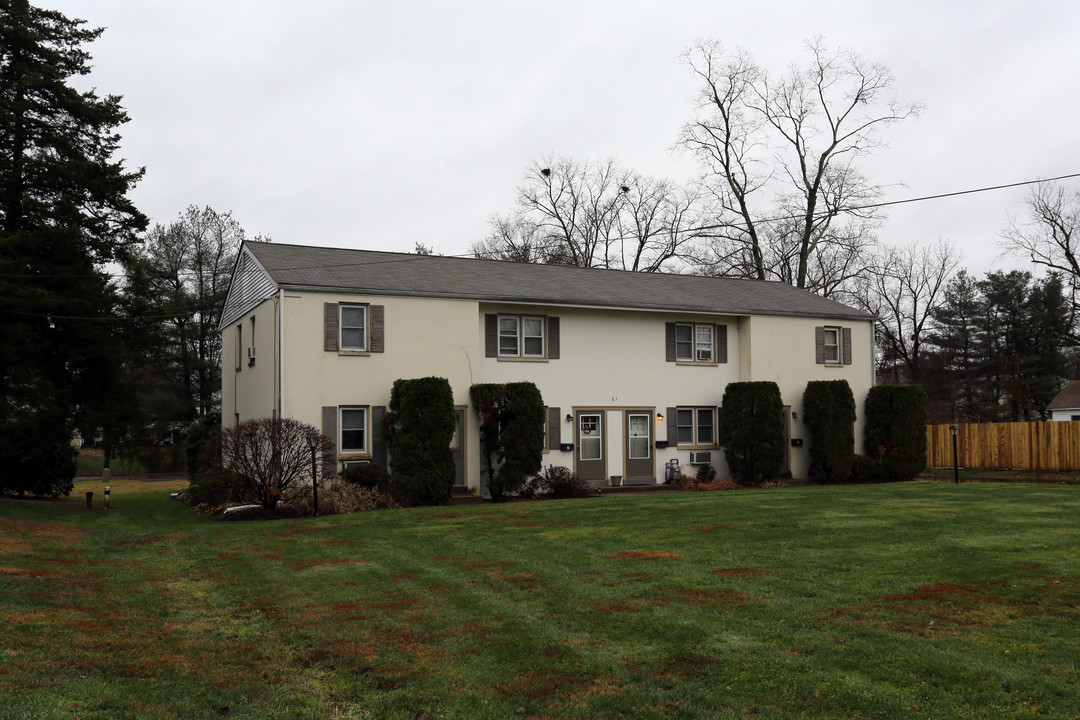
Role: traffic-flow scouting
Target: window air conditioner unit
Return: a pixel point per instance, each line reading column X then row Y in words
column 701, row 457
column 353, row 463
column 251, row 353
column 704, row 355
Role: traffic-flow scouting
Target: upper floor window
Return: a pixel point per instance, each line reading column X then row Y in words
column 696, row 342
column 522, row 336
column 832, row 345
column 353, row 326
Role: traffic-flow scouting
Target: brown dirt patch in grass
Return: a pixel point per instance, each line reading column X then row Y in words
column 22, row 536
column 714, row 526
column 941, row 607
column 153, row 540
column 738, row 572
column 637, row 575
column 611, row 607
column 485, row 564
column 693, row 597
column 644, row 555
column 538, row 684
column 314, row 563
column 546, row 525
column 524, row 580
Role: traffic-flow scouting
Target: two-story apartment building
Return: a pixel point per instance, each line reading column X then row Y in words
column 632, row 366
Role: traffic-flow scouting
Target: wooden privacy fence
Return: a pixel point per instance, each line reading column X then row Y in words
column 1016, row 445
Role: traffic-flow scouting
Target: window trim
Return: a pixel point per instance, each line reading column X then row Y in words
column 837, row 355
column 365, row 308
column 696, row 440
column 694, row 357
column 520, row 337
column 239, row 346
column 352, row 453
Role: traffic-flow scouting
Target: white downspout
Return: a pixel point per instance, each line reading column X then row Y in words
column 281, row 353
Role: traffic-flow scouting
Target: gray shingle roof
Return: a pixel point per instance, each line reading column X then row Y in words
column 1068, row 398
column 383, row 273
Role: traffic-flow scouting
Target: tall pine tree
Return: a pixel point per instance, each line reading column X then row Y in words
column 64, row 214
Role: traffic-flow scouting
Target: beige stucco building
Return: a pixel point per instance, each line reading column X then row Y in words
column 632, row 366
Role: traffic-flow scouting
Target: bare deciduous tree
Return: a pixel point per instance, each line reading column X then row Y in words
column 779, row 158
column 903, row 290
column 1050, row 234
column 594, row 215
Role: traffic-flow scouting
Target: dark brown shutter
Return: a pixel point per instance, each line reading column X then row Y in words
column 553, row 338
column 819, row 345
column 330, row 327
column 720, row 439
column 847, row 345
column 491, row 335
column 721, row 343
column 378, row 339
column 378, row 440
column 672, row 417
column 329, row 429
column 669, row 341
column 554, row 428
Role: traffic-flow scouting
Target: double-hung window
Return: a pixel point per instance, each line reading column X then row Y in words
column 521, row 336
column 694, row 343
column 353, row 430
column 832, row 345
column 353, row 326
column 696, row 426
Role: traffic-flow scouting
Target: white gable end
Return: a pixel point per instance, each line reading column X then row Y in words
column 251, row 284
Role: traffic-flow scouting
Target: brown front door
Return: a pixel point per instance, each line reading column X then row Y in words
column 638, row 463
column 590, row 457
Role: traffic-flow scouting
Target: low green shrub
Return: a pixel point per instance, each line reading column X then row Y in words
column 705, row 474
column 863, row 470
column 367, row 475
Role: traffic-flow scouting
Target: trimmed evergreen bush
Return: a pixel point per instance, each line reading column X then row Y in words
column 896, row 430
column 367, row 475
column 829, row 413
column 199, row 434
column 752, row 428
column 512, row 423
column 420, row 424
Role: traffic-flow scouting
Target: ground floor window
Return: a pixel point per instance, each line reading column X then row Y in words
column 696, row 426
column 353, row 430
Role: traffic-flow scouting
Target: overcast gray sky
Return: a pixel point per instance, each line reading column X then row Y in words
column 377, row 125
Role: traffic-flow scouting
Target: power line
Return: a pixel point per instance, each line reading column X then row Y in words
column 412, row 258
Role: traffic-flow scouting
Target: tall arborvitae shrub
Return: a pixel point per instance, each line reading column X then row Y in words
column 419, row 427
column 512, row 422
column 829, row 414
column 752, row 430
column 896, row 430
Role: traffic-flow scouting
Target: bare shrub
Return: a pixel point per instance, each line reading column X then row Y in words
column 341, row 498
column 271, row 459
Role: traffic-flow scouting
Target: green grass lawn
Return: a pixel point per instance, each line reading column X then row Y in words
column 915, row 600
